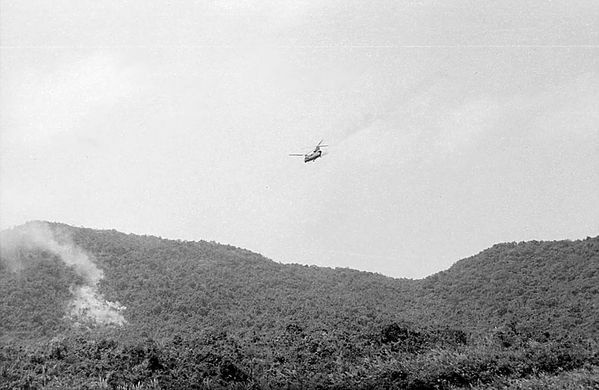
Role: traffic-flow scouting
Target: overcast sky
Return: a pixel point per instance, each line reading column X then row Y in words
column 452, row 125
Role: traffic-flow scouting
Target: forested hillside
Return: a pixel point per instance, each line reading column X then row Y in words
column 542, row 286
column 84, row 308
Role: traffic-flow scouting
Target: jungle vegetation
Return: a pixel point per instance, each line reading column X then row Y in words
column 202, row 315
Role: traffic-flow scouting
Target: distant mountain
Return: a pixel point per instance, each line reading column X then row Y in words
column 59, row 281
column 548, row 286
column 183, row 285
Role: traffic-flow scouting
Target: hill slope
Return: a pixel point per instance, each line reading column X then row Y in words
column 546, row 286
column 228, row 315
column 181, row 284
column 184, row 286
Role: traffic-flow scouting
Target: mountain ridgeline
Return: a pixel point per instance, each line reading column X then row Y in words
column 157, row 313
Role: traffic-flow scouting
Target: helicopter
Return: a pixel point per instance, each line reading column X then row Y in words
column 313, row 155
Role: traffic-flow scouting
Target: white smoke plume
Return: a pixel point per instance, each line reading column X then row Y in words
column 88, row 305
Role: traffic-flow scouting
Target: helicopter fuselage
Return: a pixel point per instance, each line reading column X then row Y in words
column 312, row 156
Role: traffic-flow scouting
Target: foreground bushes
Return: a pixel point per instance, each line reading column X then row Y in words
column 394, row 357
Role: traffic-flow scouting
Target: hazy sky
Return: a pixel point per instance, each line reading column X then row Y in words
column 452, row 125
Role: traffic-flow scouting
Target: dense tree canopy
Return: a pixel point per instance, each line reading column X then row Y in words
column 209, row 315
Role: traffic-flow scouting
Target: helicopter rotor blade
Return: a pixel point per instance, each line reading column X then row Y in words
column 297, row 154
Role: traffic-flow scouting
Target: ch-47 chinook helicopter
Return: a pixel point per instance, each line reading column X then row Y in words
column 313, row 155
